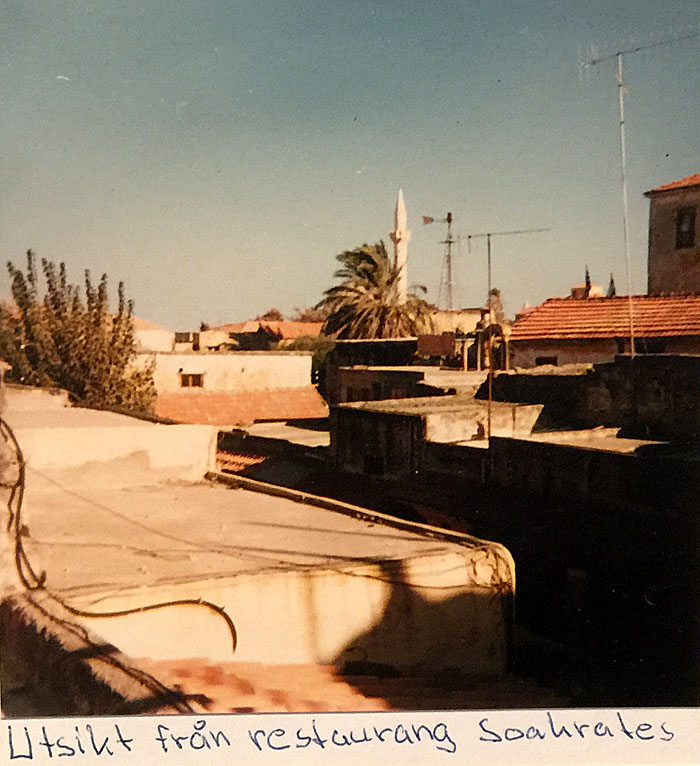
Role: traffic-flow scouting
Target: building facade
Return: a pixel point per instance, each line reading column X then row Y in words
column 674, row 237
column 594, row 330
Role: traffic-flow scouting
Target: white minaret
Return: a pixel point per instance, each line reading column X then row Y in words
column 400, row 237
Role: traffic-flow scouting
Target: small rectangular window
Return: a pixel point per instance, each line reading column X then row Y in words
column 188, row 380
column 545, row 360
column 685, row 227
column 183, row 337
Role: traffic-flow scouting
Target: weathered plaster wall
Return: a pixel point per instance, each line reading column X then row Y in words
column 655, row 397
column 377, row 443
column 178, row 451
column 524, row 353
column 424, row 614
column 154, row 340
column 392, row 444
column 672, row 270
column 365, row 384
column 471, row 421
column 650, row 396
column 16, row 397
column 231, row 372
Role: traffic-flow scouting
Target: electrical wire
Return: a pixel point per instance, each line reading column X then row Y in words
column 33, row 582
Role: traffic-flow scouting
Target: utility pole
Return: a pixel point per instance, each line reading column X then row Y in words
column 617, row 56
column 488, row 235
column 446, row 289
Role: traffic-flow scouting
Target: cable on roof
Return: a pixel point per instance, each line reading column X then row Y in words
column 33, row 582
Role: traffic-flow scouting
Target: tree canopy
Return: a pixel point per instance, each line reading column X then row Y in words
column 366, row 303
column 310, row 314
column 271, row 315
column 54, row 337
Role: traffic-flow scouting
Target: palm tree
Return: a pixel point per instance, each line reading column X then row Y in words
column 366, row 303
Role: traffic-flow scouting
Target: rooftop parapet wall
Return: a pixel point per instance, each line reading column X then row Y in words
column 388, row 437
column 16, row 397
column 649, row 397
column 73, row 438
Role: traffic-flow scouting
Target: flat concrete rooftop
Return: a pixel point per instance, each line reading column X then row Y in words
column 302, row 584
column 291, row 432
column 94, row 536
column 71, row 417
column 425, row 405
column 606, row 439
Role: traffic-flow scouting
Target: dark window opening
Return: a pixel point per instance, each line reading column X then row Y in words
column 188, row 380
column 350, row 394
column 685, row 227
column 539, row 360
column 183, row 337
column 649, row 345
column 376, row 390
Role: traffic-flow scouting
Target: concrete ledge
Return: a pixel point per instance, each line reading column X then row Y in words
column 363, row 514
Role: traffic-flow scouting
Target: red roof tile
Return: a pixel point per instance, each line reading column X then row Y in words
column 654, row 317
column 236, row 462
column 682, row 183
column 244, row 408
column 251, row 687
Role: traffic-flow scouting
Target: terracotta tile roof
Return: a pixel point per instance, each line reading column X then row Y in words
column 654, row 317
column 682, row 183
column 283, row 330
column 250, row 687
column 243, row 408
column 235, row 462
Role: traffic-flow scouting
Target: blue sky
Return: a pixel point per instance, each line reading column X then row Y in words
column 217, row 155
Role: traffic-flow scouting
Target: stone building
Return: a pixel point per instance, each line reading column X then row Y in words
column 674, row 245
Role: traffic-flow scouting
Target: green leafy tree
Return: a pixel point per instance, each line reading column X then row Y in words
column 52, row 337
column 366, row 303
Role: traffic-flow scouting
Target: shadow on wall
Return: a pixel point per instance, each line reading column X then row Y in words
column 48, row 665
column 443, row 643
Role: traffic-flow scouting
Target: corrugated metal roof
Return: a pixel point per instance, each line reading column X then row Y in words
column 654, row 317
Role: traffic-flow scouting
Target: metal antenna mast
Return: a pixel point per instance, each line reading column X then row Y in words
column 488, row 235
column 623, row 151
column 446, row 289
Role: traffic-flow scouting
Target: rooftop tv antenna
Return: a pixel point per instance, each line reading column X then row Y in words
column 446, row 289
column 595, row 60
column 488, row 235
